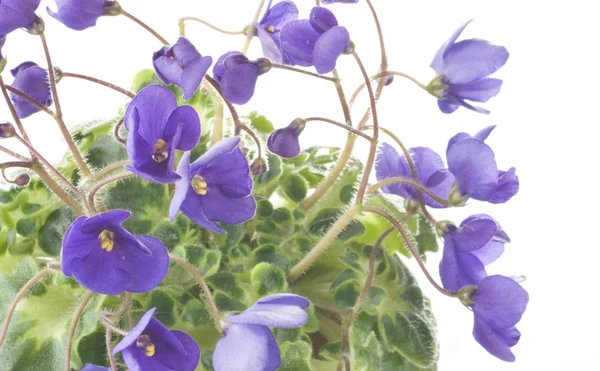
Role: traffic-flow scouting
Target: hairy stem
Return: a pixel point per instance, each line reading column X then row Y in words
column 110, row 168
column 11, row 107
column 339, row 124
column 323, row 243
column 57, row 189
column 379, row 76
column 109, row 350
column 214, row 311
column 145, row 26
column 11, row 309
column 106, row 181
column 411, row 182
column 30, row 100
column 76, row 318
column 293, row 69
column 116, row 132
column 99, row 82
column 182, row 26
column 103, row 318
column 14, row 154
column 252, row 28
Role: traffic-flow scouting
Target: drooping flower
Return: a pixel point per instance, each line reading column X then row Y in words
column 499, row 304
column 317, row 41
column 237, row 75
column 285, row 141
column 217, row 187
column 182, row 65
column 463, row 68
column 105, row 258
column 430, row 169
column 249, row 344
column 478, row 242
column 81, row 14
column 157, row 127
column 269, row 28
column 15, row 14
column 473, row 164
column 152, row 346
column 91, row 367
column 32, row 80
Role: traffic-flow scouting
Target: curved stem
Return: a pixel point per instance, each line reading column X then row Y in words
column 110, row 168
column 339, row 124
column 58, row 115
column 11, row 107
column 145, row 26
column 76, row 318
column 182, row 26
column 99, row 82
column 103, row 318
column 323, row 243
column 252, row 28
column 8, row 165
column 411, row 182
column 293, row 69
column 214, row 311
column 412, row 249
column 116, row 132
column 384, row 74
column 106, row 181
column 373, row 150
column 109, row 350
column 11, row 309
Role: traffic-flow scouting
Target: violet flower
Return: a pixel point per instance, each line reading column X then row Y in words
column 15, row 14
column 237, row 75
column 157, row 127
column 32, row 80
column 269, row 28
column 152, row 346
column 317, row 41
column 474, row 166
column 478, row 242
column 215, row 188
column 182, row 65
column 463, row 68
column 285, row 141
column 105, row 258
column 91, row 367
column 430, row 169
column 249, row 344
column 81, row 14
column 499, row 303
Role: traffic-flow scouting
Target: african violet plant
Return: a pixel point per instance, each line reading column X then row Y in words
column 172, row 239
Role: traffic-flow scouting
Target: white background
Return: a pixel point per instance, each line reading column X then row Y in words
column 547, row 128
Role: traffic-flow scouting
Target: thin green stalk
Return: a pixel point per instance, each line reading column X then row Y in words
column 182, row 26
column 252, row 28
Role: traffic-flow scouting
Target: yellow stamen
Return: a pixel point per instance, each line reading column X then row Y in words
column 107, row 240
column 271, row 29
column 199, row 185
column 149, row 350
column 160, row 153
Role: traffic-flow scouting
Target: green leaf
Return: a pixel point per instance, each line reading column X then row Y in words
column 167, row 233
column 51, row 234
column 260, row 123
column 268, row 279
column 327, row 217
column 294, row 186
column 295, row 356
column 270, row 254
column 164, row 304
column 92, row 348
column 426, row 237
column 273, row 173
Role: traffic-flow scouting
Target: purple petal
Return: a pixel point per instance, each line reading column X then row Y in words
column 91, row 367
column 246, row 347
column 230, row 173
column 100, row 222
column 271, row 49
column 459, row 269
column 154, row 104
column 136, row 263
column 187, row 117
column 478, row 91
column 471, row 60
column 508, row 186
column 284, row 142
column 181, row 187
column 185, row 52
column 473, row 164
column 97, row 271
column 329, row 47
column 239, row 82
column 219, row 149
column 167, row 69
column 440, row 183
column 484, row 133
column 281, row 311
column 192, row 208
column 220, row 208
column 490, row 252
column 389, row 164
column 298, row 40
column 285, row 299
column 500, row 301
column 76, row 245
column 492, row 341
column 187, row 362
column 438, row 61
column 33, row 81
column 447, row 105
column 135, row 332
column 78, row 14
column 473, row 234
column 280, row 14
column 193, row 75
column 322, row 19
column 219, row 68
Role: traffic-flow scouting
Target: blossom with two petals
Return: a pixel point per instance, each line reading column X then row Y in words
column 269, row 28
column 32, row 80
column 81, row 14
column 157, row 127
column 105, row 258
column 16, row 14
column 248, row 343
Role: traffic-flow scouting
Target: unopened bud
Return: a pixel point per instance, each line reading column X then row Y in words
column 58, row 73
column 349, row 48
column 389, row 80
column 7, row 130
column 259, row 166
column 22, row 179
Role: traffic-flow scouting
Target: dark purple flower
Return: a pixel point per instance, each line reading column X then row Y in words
column 248, row 344
column 157, row 127
column 152, row 346
column 463, row 68
column 215, row 188
column 237, row 75
column 81, row 14
column 182, row 65
column 32, row 80
column 478, row 242
column 15, row 14
column 430, row 169
column 105, row 258
column 473, row 164
column 269, row 29
column 499, row 303
column 91, row 367
column 317, row 41
column 285, row 141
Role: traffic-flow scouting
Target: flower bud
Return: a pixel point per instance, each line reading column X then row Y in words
column 285, row 142
column 22, row 179
column 259, row 166
column 7, row 130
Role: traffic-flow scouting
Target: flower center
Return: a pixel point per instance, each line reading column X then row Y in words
column 199, row 185
column 107, row 241
column 160, row 151
column 144, row 343
column 271, row 29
